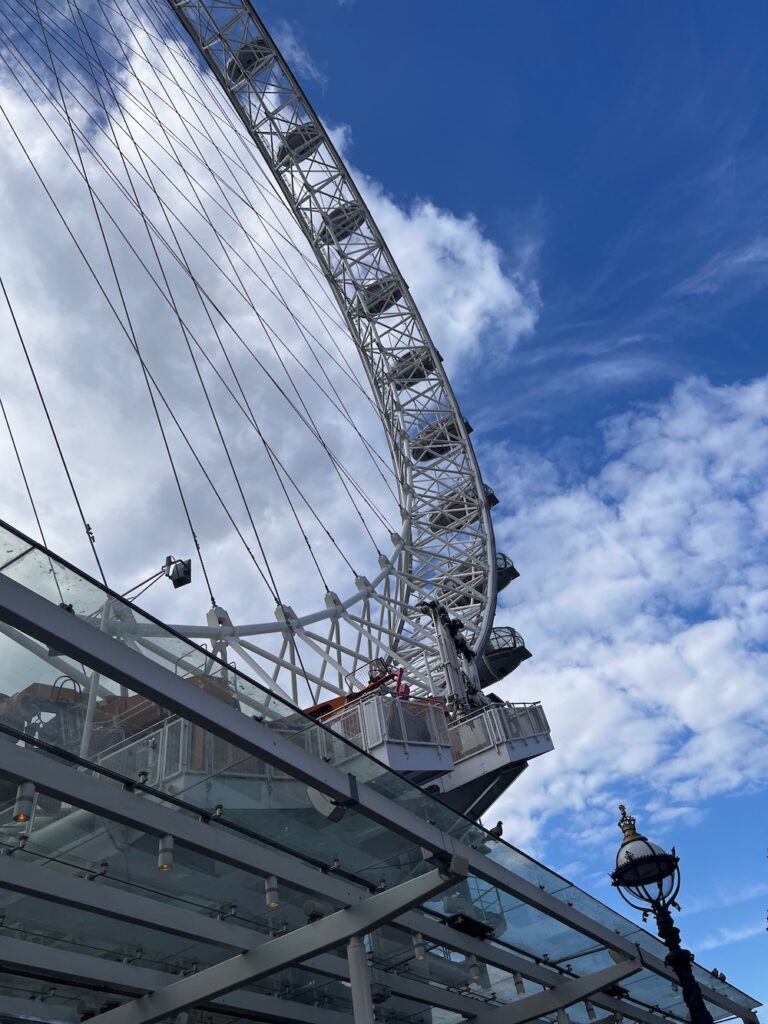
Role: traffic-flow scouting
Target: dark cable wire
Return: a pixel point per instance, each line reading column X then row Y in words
column 86, row 525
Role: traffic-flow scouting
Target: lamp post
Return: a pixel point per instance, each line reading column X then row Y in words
column 648, row 879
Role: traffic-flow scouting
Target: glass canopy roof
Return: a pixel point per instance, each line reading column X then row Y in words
column 66, row 711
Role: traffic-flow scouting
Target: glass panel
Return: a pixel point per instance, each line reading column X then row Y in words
column 56, row 703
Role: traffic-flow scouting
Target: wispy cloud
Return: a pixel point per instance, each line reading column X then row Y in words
column 727, row 897
column 297, row 55
column 726, row 936
column 738, row 262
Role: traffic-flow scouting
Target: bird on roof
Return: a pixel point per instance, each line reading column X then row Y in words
column 497, row 831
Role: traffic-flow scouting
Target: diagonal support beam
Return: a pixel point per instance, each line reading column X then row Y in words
column 99, row 897
column 284, row 951
column 103, row 976
column 565, row 994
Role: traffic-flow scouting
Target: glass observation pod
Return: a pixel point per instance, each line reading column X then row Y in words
column 453, row 587
column 249, row 60
column 340, row 223
column 411, row 368
column 376, row 297
column 505, row 571
column 460, row 508
column 437, row 438
column 299, row 144
column 407, row 734
column 503, row 653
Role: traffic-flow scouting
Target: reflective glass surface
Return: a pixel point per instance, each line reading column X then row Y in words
column 65, row 709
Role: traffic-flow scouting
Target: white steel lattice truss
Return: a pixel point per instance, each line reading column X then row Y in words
column 446, row 548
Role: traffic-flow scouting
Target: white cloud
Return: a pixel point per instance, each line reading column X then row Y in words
column 644, row 597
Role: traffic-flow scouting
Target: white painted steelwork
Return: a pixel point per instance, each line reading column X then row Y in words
column 440, row 553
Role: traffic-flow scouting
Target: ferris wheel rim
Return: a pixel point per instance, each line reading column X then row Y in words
column 312, row 137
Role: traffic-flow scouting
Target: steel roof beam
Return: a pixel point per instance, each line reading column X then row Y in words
column 284, row 951
column 61, row 965
column 99, row 897
column 38, row 617
column 574, row 990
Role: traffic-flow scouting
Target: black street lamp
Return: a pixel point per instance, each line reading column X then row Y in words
column 648, row 879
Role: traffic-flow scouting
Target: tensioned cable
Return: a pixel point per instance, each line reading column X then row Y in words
column 194, row 239
column 299, row 655
column 129, row 322
column 374, row 508
column 186, row 337
column 304, row 406
column 306, row 334
column 270, row 192
column 41, row 396
column 375, row 456
column 381, row 461
column 124, row 330
column 269, row 189
column 220, row 182
column 28, row 489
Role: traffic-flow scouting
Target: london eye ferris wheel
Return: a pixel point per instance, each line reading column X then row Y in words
column 216, row 188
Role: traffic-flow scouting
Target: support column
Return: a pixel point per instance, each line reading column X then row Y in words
column 360, row 980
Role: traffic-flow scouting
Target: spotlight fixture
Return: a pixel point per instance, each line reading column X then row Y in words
column 271, row 895
column 474, row 969
column 165, row 854
column 25, row 802
column 419, row 952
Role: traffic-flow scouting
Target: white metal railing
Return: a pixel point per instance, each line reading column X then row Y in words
column 383, row 718
column 177, row 746
column 495, row 724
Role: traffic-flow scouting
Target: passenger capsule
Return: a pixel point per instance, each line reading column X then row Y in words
column 249, row 60
column 341, row 222
column 412, row 367
column 437, row 438
column 460, row 508
column 490, row 496
column 505, row 571
column 299, row 144
column 375, row 298
column 503, row 653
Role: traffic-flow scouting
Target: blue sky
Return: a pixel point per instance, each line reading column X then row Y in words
column 616, row 155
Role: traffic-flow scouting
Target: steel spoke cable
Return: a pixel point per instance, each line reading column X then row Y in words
column 341, row 407
column 185, row 335
column 261, row 253
column 272, row 193
column 129, row 329
column 164, row 399
column 67, row 43
column 106, row 210
column 384, row 462
column 259, row 167
column 124, row 330
column 28, row 489
column 57, row 443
